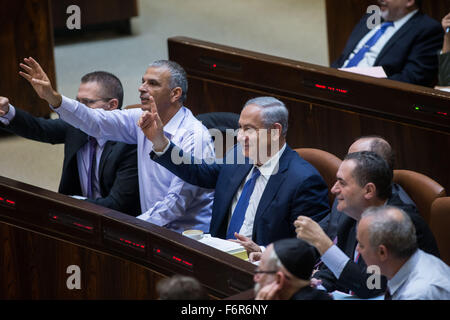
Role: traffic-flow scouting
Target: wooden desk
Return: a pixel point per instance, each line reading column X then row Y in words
column 42, row 233
column 328, row 108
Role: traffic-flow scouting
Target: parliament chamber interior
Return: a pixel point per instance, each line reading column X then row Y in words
column 44, row 232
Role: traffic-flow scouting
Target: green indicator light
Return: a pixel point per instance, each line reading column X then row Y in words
column 417, row 108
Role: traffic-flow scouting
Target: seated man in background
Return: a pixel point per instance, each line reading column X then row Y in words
column 261, row 186
column 387, row 239
column 284, row 272
column 444, row 57
column 363, row 180
column 405, row 44
column 180, row 287
column 104, row 172
column 166, row 200
column 381, row 147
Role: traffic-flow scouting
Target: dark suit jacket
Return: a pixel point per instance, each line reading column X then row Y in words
column 297, row 189
column 411, row 55
column 117, row 169
column 354, row 275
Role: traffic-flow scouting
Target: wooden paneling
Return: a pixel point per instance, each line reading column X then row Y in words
column 26, row 31
column 322, row 117
column 120, row 257
column 343, row 15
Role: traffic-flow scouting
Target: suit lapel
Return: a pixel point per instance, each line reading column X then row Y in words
column 273, row 185
column 107, row 149
column 395, row 38
column 355, row 39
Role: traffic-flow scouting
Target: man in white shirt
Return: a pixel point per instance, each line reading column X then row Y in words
column 166, row 200
column 387, row 240
column 405, row 44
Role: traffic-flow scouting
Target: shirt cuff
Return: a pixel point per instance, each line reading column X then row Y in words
column 159, row 154
column 7, row 118
column 335, row 259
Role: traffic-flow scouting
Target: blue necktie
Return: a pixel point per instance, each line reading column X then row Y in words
column 91, row 174
column 369, row 44
column 241, row 208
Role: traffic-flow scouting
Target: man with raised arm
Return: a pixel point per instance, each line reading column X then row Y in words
column 261, row 185
column 166, row 200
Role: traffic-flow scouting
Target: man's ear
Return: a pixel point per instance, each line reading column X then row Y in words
column 382, row 252
column 113, row 104
column 175, row 94
column 370, row 191
column 280, row 279
column 275, row 133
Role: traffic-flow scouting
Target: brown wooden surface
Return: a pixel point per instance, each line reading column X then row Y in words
column 36, row 251
column 343, row 15
column 94, row 12
column 320, row 118
column 26, row 31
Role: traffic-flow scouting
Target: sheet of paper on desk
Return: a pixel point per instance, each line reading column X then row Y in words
column 224, row 245
column 377, row 72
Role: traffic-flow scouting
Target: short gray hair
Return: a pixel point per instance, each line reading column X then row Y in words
column 397, row 235
column 178, row 77
column 273, row 111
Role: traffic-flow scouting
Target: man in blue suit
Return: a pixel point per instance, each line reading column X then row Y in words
column 261, row 186
column 405, row 44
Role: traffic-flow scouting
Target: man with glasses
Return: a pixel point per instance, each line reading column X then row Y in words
column 100, row 171
column 284, row 272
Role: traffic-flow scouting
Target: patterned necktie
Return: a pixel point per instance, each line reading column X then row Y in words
column 241, row 208
column 92, row 166
column 369, row 44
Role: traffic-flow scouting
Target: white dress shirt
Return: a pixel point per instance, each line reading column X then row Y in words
column 166, row 200
column 422, row 277
column 267, row 170
column 371, row 56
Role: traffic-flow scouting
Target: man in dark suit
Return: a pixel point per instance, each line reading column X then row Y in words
column 381, row 147
column 261, row 186
column 363, row 180
column 406, row 44
column 103, row 172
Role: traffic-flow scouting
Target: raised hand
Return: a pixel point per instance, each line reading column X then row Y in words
column 34, row 74
column 152, row 127
column 310, row 231
column 446, row 22
column 4, row 106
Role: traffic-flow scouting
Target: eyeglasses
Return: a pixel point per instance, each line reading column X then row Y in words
column 266, row 271
column 90, row 102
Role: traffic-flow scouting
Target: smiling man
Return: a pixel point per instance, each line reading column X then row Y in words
column 405, row 44
column 261, row 185
column 166, row 200
column 364, row 180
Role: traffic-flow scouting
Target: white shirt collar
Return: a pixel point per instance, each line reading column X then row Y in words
column 174, row 123
column 268, row 168
column 400, row 22
column 402, row 275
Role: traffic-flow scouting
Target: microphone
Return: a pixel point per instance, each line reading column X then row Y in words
column 447, row 30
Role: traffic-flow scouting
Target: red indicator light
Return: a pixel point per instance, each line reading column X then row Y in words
column 10, row 202
column 320, row 86
column 214, row 65
column 1, row 199
column 175, row 258
column 187, row 263
column 158, row 251
column 443, row 113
